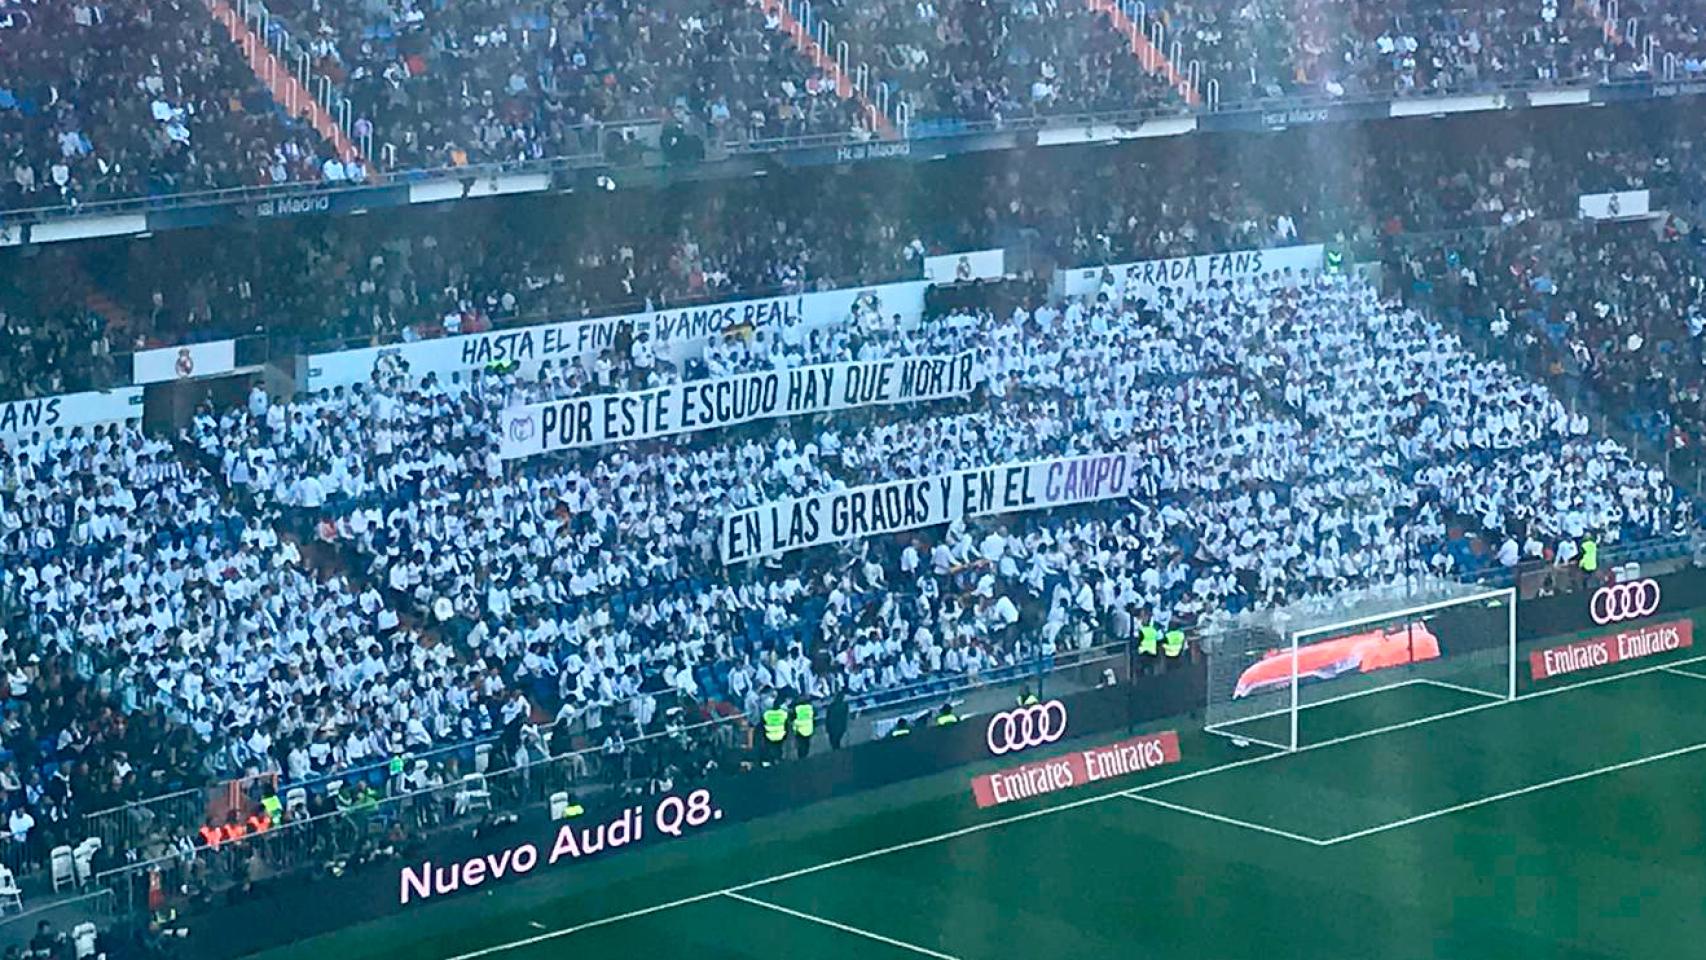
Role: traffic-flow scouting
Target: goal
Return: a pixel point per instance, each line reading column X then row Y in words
column 1346, row 664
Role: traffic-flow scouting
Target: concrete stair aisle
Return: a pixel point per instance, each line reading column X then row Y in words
column 1147, row 53
column 803, row 40
column 288, row 91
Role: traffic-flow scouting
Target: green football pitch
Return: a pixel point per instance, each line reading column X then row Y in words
column 1421, row 821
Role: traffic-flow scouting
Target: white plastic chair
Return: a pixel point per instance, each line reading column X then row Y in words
column 474, row 795
column 84, row 938
column 482, row 758
column 64, row 863
column 84, row 859
column 296, row 802
column 10, row 895
column 559, row 804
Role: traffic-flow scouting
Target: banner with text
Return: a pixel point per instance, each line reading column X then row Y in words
column 727, row 401
column 675, row 334
column 876, row 509
column 1645, row 640
column 1076, row 769
column 21, row 418
column 1144, row 278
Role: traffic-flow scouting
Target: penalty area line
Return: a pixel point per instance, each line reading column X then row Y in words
column 1229, row 821
column 836, row 925
column 1460, row 688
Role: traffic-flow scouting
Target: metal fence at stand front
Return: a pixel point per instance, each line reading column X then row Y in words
column 168, row 871
column 163, row 865
column 97, row 906
column 123, row 827
column 126, row 827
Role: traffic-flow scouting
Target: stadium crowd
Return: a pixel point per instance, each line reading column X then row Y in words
column 107, row 99
column 439, row 85
column 452, row 84
column 506, row 263
column 1617, row 308
column 314, row 586
column 500, row 264
column 471, row 600
column 479, row 598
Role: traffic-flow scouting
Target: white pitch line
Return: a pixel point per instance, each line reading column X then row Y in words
column 1460, row 688
column 1509, row 794
column 1247, row 739
column 1217, row 818
column 778, row 878
column 1044, row 812
column 1686, row 673
column 844, row 928
column 1221, row 727
column 589, row 925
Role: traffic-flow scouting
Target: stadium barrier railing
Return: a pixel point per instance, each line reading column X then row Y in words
column 97, row 906
column 171, row 865
column 127, row 825
column 595, row 140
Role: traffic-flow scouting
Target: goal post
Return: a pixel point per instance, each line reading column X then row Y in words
column 1336, row 666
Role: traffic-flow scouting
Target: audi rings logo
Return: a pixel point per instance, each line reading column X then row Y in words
column 1013, row 730
column 1624, row 601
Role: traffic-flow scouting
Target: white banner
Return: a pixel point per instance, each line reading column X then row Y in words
column 727, row 401
column 677, row 334
column 186, row 362
column 1144, row 278
column 795, row 524
column 960, row 267
column 1623, row 205
column 21, row 418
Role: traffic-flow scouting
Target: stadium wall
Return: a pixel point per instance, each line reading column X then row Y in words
column 1597, row 606
column 289, row 909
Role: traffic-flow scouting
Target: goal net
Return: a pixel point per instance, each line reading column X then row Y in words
column 1346, row 664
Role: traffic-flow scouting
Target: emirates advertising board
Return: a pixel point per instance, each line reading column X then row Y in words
column 1040, row 724
column 1629, row 610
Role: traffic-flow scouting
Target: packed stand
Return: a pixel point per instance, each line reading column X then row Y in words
column 1675, row 28
column 1267, row 50
column 553, row 588
column 1620, row 309
column 572, row 602
column 106, row 99
column 997, row 61
column 450, row 84
column 164, row 635
column 361, row 280
column 415, row 276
